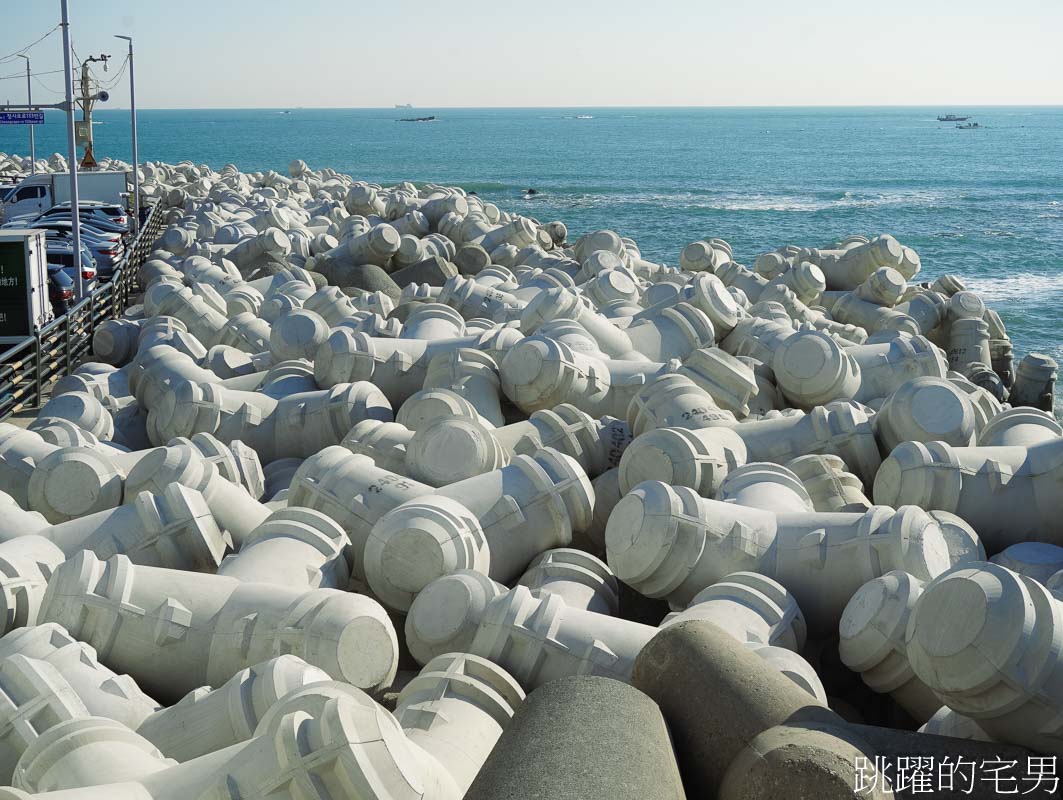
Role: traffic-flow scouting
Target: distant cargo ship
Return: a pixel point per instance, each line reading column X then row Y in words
column 400, row 105
column 952, row 118
column 418, row 119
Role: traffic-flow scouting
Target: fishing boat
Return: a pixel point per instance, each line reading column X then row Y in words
column 969, row 126
column 418, row 119
column 951, row 118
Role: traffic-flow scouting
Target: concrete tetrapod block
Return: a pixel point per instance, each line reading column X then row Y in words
column 760, row 613
column 397, row 367
column 1019, row 427
column 35, row 697
column 668, row 542
column 449, row 450
column 926, row 410
column 429, row 405
column 207, row 720
column 494, row 523
column 596, row 444
column 354, row 492
column 332, row 745
column 384, row 442
column 767, row 739
column 562, row 304
column 729, row 381
column 20, row 451
column 552, row 747
column 811, row 368
column 1035, row 380
column 947, row 722
column 829, row 485
column 456, row 709
column 701, row 459
column 472, row 299
column 767, row 486
column 88, row 752
column 15, row 521
column 296, row 547
column 104, row 693
column 471, row 374
column 1007, row 494
column 26, row 564
column 540, row 638
column 296, row 425
column 540, row 372
column 996, row 662
column 578, row 578
column 194, row 619
column 297, row 334
column 432, row 322
column 174, row 529
column 231, row 505
column 1035, row 560
column 872, row 641
column 674, row 401
column 81, row 408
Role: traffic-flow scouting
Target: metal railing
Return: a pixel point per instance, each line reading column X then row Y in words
column 29, row 368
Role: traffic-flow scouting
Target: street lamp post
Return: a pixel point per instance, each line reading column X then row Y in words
column 133, row 115
column 29, row 102
column 75, row 204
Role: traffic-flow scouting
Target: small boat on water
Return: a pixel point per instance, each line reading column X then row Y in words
column 969, row 126
column 418, row 119
column 403, row 105
column 951, row 118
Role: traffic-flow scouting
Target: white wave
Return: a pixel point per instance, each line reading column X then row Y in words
column 807, row 203
column 1025, row 286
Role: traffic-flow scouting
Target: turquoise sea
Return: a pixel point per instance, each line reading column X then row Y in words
column 985, row 204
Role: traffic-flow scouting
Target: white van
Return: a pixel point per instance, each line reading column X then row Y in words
column 38, row 193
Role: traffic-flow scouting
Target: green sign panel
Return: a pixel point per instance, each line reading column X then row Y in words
column 14, row 306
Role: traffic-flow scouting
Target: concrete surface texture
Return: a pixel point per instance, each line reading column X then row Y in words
column 389, row 492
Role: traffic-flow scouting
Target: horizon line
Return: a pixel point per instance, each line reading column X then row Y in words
column 568, row 108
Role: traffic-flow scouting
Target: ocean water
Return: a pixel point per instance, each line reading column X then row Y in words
column 984, row 204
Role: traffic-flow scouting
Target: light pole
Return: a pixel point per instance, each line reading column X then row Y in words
column 75, row 201
column 133, row 115
column 29, row 102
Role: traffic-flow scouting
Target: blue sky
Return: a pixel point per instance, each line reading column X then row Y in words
column 313, row 53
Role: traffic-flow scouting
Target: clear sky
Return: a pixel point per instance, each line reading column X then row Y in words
column 351, row 53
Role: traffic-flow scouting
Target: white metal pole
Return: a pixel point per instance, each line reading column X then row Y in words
column 29, row 102
column 133, row 115
column 71, row 148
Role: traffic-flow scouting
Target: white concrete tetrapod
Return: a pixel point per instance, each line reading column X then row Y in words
column 141, row 612
column 668, row 542
column 494, row 523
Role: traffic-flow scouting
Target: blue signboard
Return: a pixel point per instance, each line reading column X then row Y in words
column 21, row 117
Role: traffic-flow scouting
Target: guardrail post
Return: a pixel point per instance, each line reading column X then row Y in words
column 38, row 386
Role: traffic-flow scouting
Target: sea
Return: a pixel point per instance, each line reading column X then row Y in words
column 985, row 204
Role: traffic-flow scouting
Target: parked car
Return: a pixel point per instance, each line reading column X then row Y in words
column 107, row 249
column 61, row 254
column 111, row 211
column 89, row 216
column 60, row 290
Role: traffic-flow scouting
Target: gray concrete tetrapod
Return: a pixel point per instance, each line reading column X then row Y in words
column 766, row 738
column 553, row 748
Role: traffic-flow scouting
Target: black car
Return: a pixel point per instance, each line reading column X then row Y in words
column 60, row 290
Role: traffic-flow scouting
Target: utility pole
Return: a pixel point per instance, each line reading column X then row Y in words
column 29, row 102
column 133, row 115
column 75, row 201
column 88, row 99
